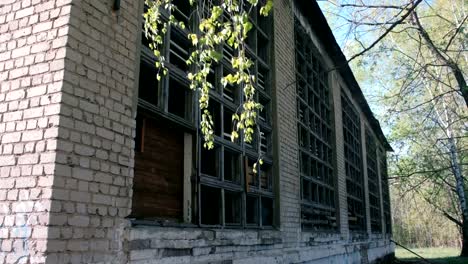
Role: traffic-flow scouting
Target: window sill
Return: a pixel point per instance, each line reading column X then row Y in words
column 163, row 236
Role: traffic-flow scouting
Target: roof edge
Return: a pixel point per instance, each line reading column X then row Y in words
column 317, row 21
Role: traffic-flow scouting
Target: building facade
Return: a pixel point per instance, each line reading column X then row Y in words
column 102, row 163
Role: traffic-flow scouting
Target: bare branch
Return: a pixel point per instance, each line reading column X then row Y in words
column 457, row 72
column 396, row 23
column 455, row 34
column 377, row 6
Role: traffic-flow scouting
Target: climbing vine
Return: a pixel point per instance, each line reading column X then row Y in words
column 223, row 22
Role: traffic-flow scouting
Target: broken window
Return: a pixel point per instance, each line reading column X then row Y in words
column 210, row 205
column 318, row 187
column 165, row 131
column 373, row 183
column 252, row 210
column 246, row 197
column 353, row 165
column 385, row 192
column 232, row 208
column 227, row 191
column 179, row 100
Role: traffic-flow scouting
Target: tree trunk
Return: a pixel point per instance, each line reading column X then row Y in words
column 457, row 172
column 452, row 65
column 464, row 251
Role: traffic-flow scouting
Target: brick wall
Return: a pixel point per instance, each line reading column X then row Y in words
column 68, row 73
column 287, row 149
column 33, row 35
column 288, row 243
column 92, row 185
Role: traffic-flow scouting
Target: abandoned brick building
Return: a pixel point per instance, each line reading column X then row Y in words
column 101, row 163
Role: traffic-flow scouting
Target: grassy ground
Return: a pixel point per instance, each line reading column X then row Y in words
column 434, row 255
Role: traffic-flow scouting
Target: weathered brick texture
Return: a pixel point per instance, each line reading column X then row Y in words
column 31, row 72
column 68, row 78
column 287, row 150
column 92, row 188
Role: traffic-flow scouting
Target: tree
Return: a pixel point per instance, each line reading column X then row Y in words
column 417, row 52
column 219, row 23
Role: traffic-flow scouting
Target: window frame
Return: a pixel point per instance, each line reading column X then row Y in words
column 190, row 122
column 246, row 151
column 387, row 224
column 352, row 144
column 314, row 101
column 373, row 182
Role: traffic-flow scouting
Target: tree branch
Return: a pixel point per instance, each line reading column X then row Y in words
column 375, row 6
column 396, row 23
column 456, row 32
column 457, row 72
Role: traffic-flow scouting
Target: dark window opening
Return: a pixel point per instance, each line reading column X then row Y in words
column 264, row 143
column 228, row 125
column 149, row 87
column 182, row 10
column 264, row 113
column 215, row 110
column 267, row 211
column 209, row 161
column 232, row 208
column 231, row 166
column 210, row 205
column 178, row 101
column 230, row 91
column 266, row 177
column 262, row 46
column 252, row 210
column 179, row 50
column 211, row 78
column 251, row 40
column 251, row 177
column 228, row 53
column 262, row 78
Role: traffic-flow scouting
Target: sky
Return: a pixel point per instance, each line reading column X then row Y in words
column 340, row 29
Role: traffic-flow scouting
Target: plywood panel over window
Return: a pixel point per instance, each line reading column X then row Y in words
column 165, row 116
column 158, row 181
column 318, row 185
column 353, row 165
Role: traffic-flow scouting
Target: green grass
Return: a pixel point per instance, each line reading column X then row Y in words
column 434, row 255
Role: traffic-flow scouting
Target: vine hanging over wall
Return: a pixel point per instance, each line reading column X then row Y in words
column 222, row 22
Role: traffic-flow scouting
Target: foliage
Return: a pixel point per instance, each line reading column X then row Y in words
column 434, row 255
column 220, row 23
column 411, row 85
column 417, row 224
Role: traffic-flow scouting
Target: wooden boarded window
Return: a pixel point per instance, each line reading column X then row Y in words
column 373, row 183
column 353, row 165
column 158, row 181
column 164, row 117
column 385, row 192
column 318, row 186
